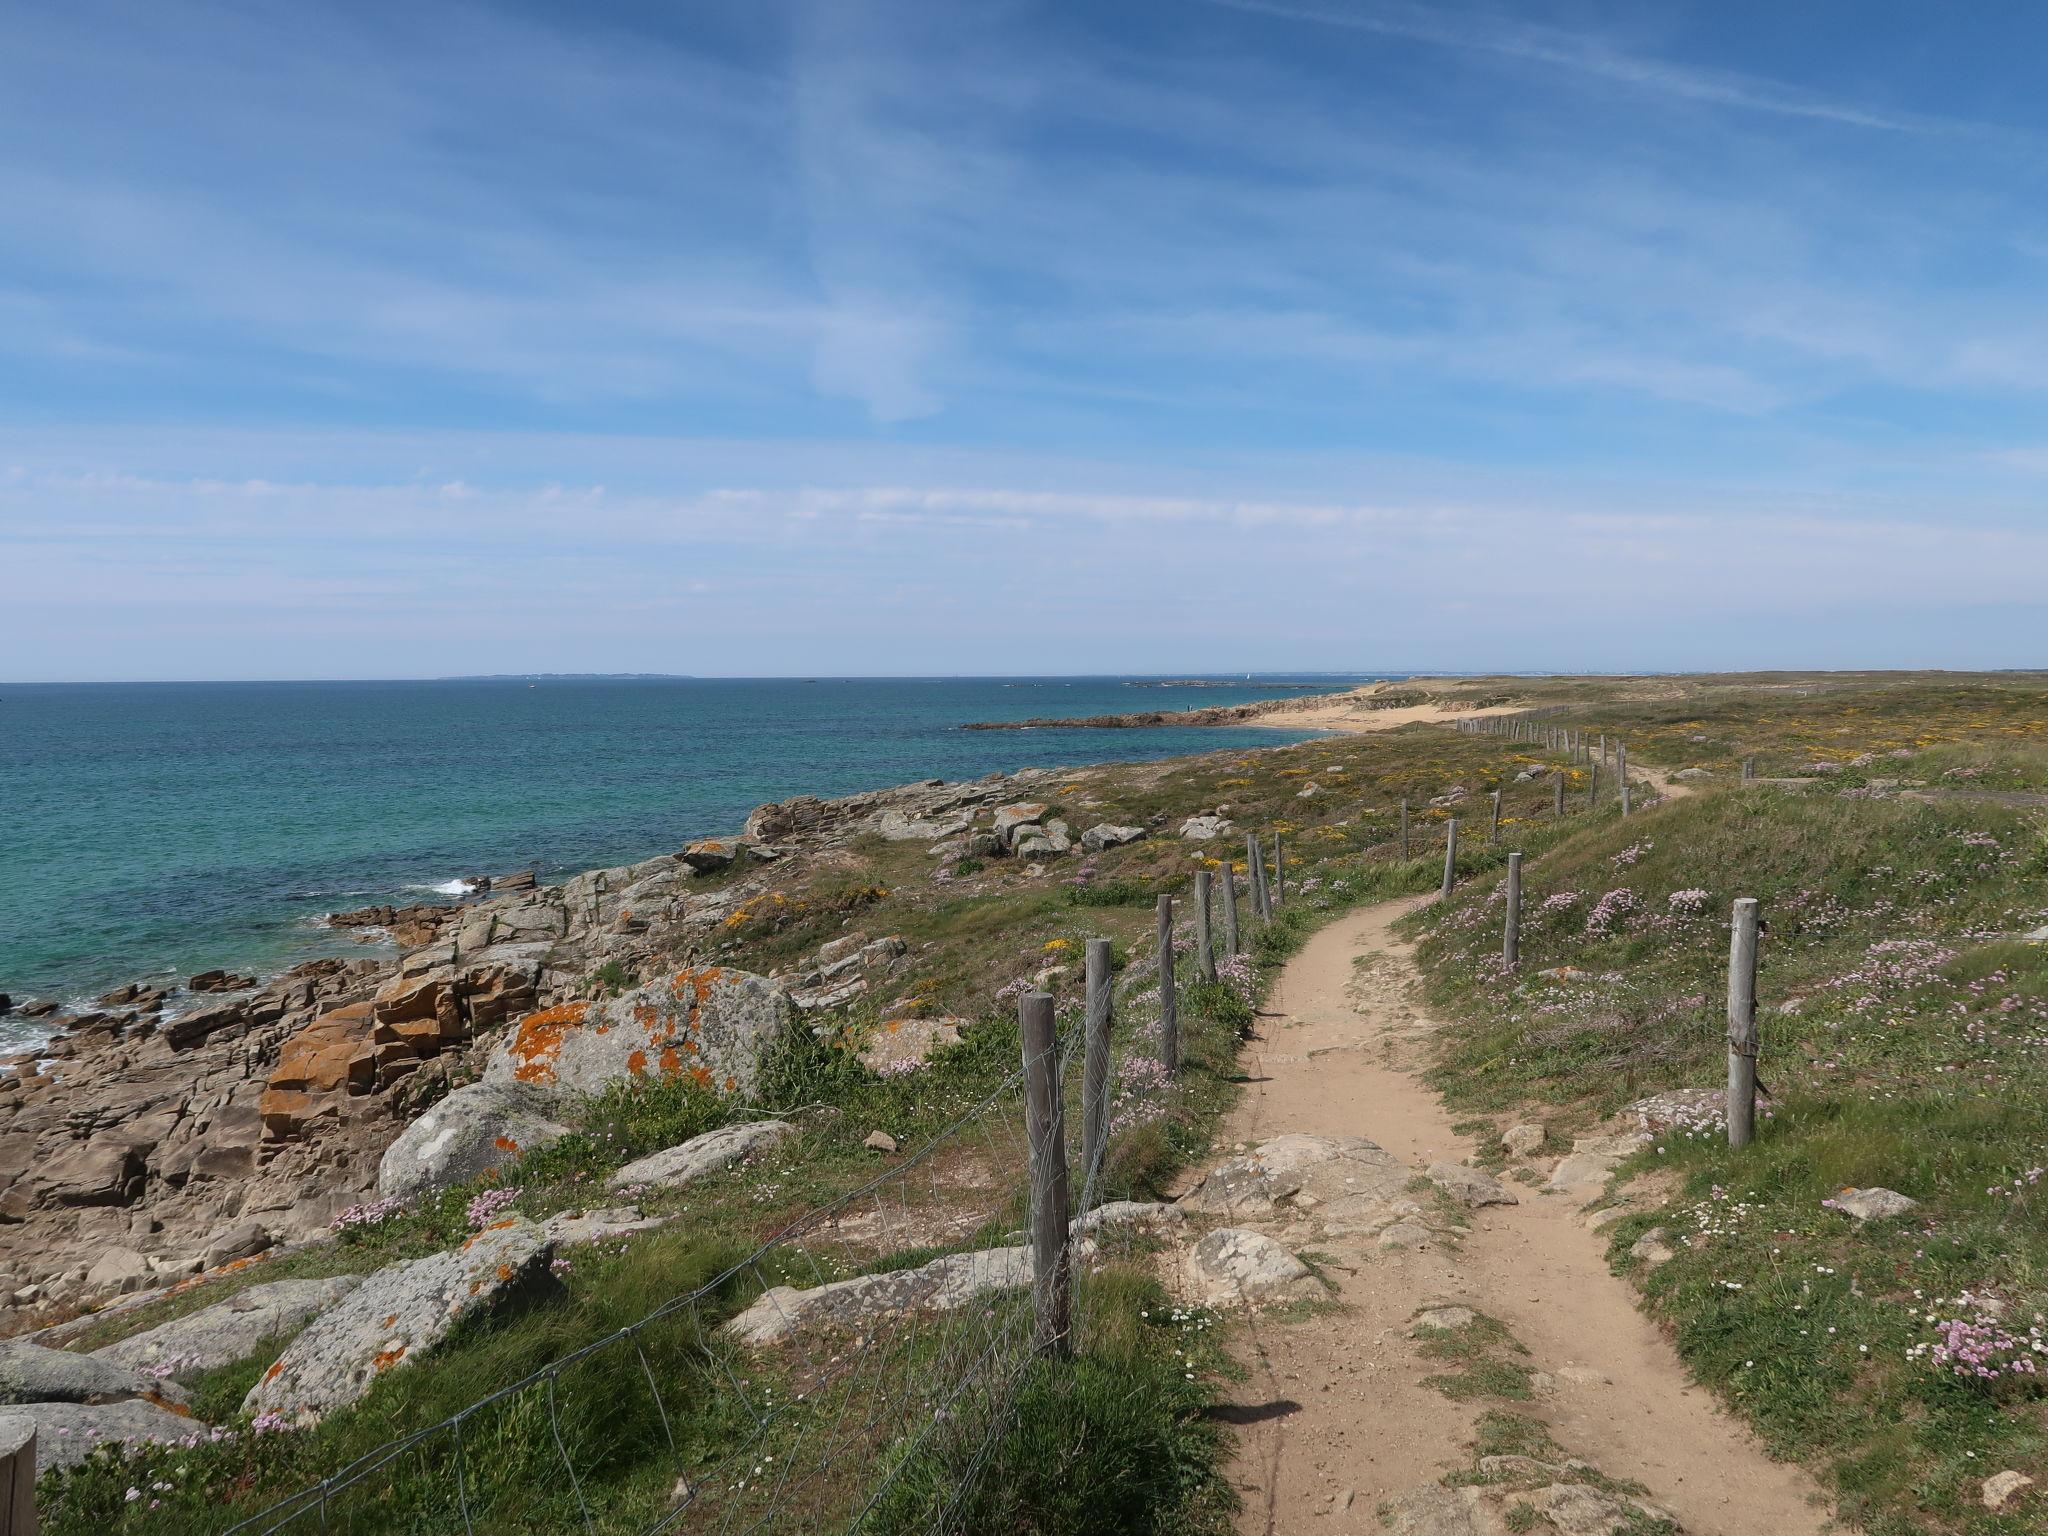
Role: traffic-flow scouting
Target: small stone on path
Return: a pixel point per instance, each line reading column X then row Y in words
column 880, row 1141
column 1470, row 1186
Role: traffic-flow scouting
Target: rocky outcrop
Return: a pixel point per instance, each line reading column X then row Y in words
column 67, row 1433
column 1202, row 829
column 229, row 1330
column 1231, row 1265
column 476, row 1130
column 904, row 1045
column 713, row 1024
column 1470, row 1187
column 30, row 1373
column 1333, row 1177
column 396, row 1317
column 1104, row 835
column 940, row 1286
column 714, row 1150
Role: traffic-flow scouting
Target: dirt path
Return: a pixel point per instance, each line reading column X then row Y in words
column 1334, row 1404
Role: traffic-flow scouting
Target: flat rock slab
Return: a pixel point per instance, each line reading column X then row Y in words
column 568, row 1229
column 1471, row 1187
column 940, row 1286
column 475, row 1130
column 396, row 1316
column 1232, row 1265
column 230, row 1330
column 903, row 1045
column 67, row 1433
column 1874, row 1204
column 1307, row 1171
column 30, row 1373
column 1434, row 1510
column 692, row 1159
column 1593, row 1161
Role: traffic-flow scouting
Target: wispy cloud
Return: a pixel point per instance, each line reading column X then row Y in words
column 1585, row 55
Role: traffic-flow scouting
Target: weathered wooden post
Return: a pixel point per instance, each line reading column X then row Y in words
column 1511, row 928
column 1045, row 1119
column 1493, row 835
column 1255, row 872
column 1095, row 1061
column 1621, row 770
column 1560, row 791
column 1450, row 856
column 1169, row 1002
column 1404, row 830
column 1742, row 1036
column 1205, row 947
column 1231, row 945
column 17, row 1475
column 1592, row 783
column 1279, row 872
column 1749, row 767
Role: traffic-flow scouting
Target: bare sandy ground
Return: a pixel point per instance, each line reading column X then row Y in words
column 1352, row 712
column 1334, row 1406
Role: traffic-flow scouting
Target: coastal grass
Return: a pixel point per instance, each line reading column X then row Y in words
column 1905, row 1044
column 975, row 934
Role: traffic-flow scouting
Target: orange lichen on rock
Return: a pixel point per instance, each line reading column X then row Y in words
column 386, row 1358
column 274, row 1372
column 671, row 1063
column 636, row 1062
column 538, row 1040
column 505, row 1144
column 701, row 1076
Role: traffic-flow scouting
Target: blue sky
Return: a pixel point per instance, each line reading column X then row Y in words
column 388, row 340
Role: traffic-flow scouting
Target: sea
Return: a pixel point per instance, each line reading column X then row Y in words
column 150, row 830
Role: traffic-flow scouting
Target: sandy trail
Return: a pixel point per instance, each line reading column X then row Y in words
column 1334, row 1404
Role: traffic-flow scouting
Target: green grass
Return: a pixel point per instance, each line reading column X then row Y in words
column 1905, row 1044
column 1487, row 1361
column 1114, row 1441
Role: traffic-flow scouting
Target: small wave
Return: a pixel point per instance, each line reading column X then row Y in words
column 447, row 888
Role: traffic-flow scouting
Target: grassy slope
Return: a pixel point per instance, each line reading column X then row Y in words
column 1906, row 1045
column 1128, row 1405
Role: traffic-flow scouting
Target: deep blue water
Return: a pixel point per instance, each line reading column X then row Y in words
column 152, row 829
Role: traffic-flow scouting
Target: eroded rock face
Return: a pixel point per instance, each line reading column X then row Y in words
column 396, row 1316
column 714, row 1025
column 1104, row 835
column 476, row 1129
column 1202, row 829
column 230, row 1330
column 700, row 1155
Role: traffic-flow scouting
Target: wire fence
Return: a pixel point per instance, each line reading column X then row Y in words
column 854, row 1372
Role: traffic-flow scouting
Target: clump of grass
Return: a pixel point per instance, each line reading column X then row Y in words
column 1486, row 1357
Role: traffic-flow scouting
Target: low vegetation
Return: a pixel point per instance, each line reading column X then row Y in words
column 1905, row 1026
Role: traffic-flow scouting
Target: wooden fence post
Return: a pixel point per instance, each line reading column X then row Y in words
column 1279, row 872
column 1230, row 938
column 1450, row 856
column 1205, row 946
column 17, row 1475
column 1592, row 783
column 1621, row 770
column 1742, row 1037
column 1511, row 929
column 1749, row 767
column 1095, row 1061
column 1404, row 830
column 1045, row 1117
column 1169, row 1002
column 1255, row 872
column 1560, row 791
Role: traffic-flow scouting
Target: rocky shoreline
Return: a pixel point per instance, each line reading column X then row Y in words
column 170, row 1131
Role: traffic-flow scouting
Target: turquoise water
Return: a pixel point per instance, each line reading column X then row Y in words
column 155, row 829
